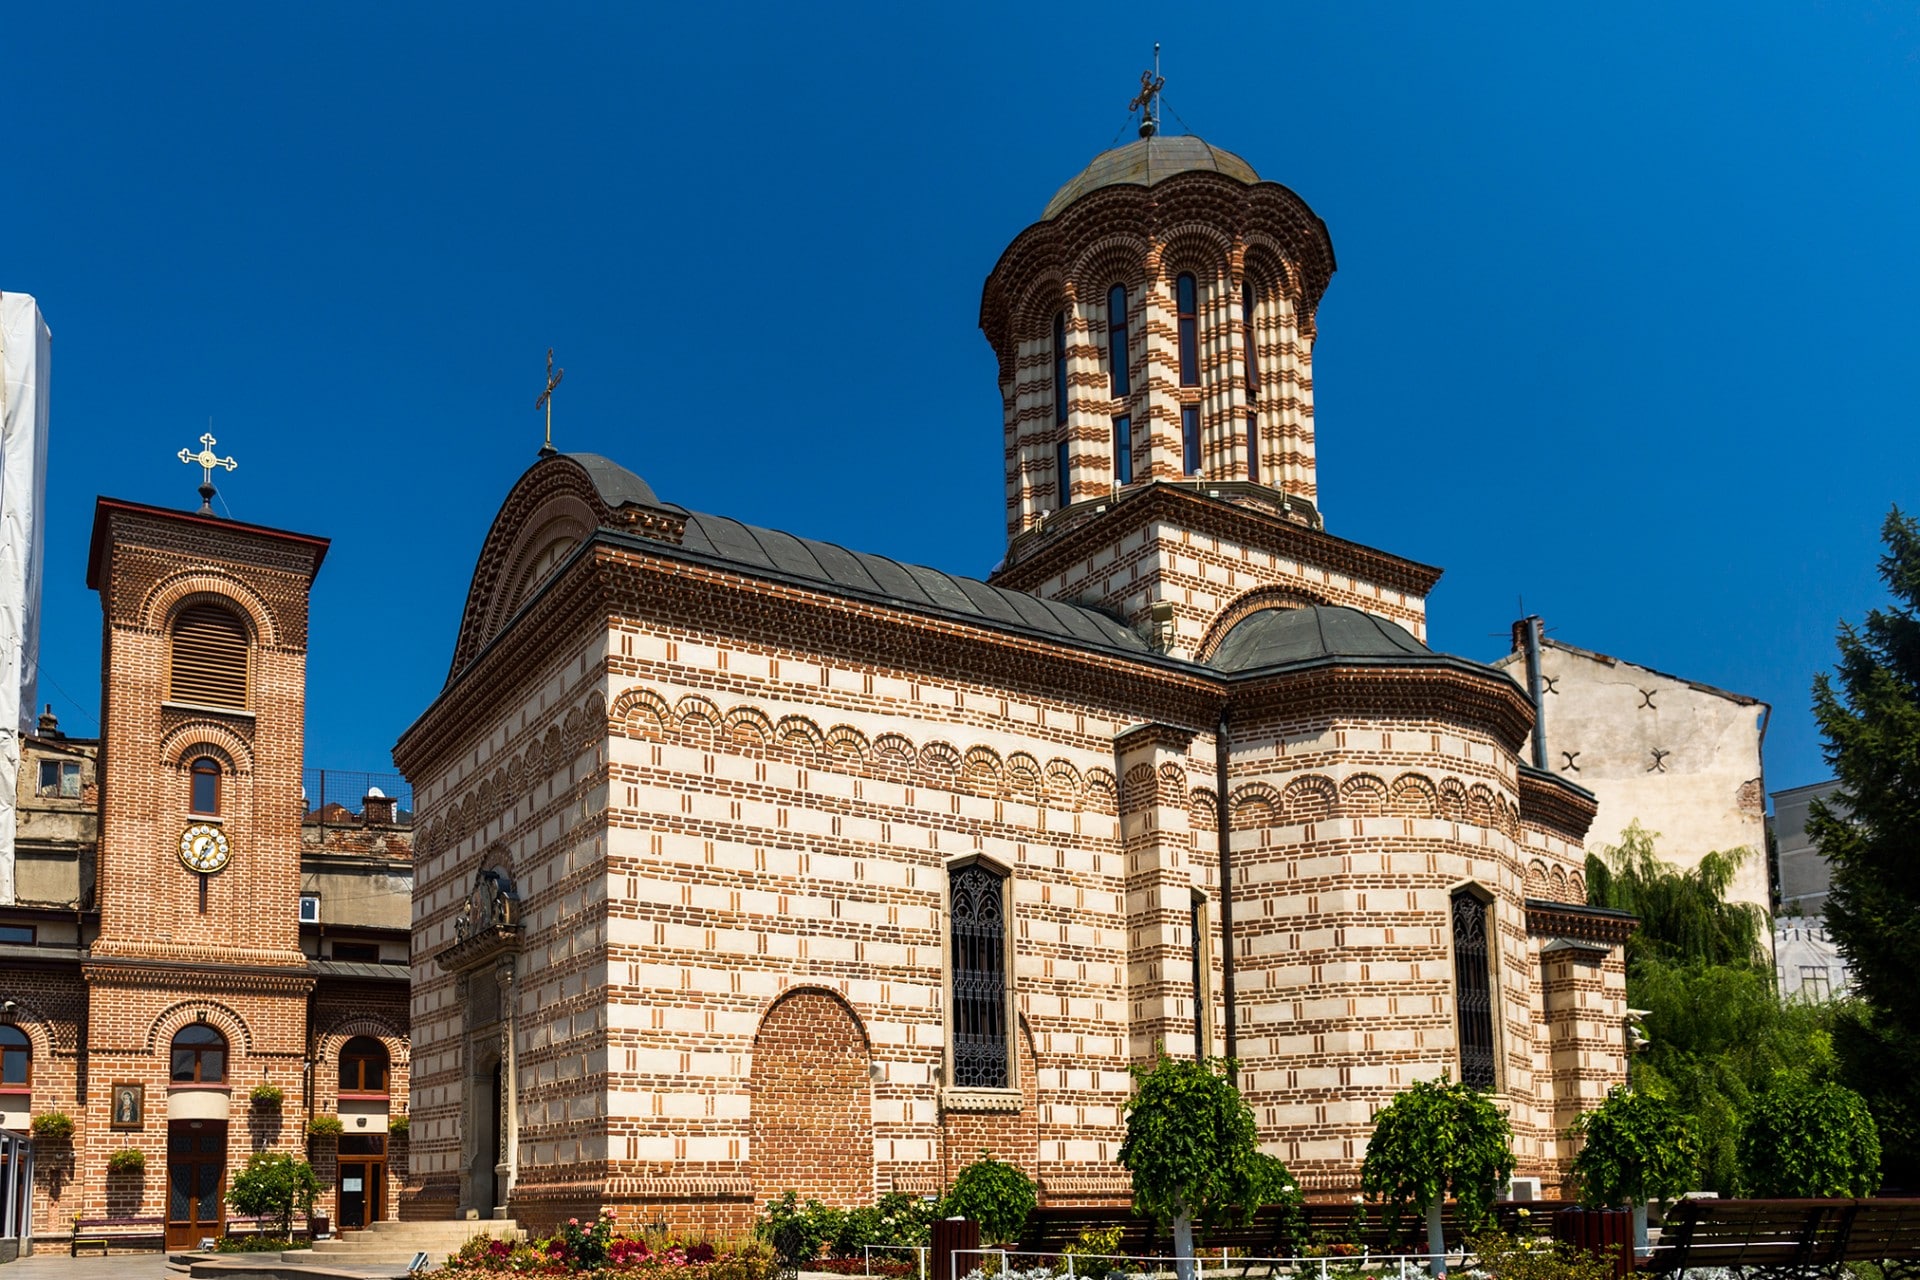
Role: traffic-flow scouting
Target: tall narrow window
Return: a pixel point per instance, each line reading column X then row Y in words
column 1123, row 449
column 1473, row 989
column 979, row 950
column 1064, row 477
column 1253, row 446
column 1202, row 977
column 209, row 665
column 199, row 1055
column 1190, row 438
column 1187, row 297
column 205, row 772
column 1117, row 338
column 1246, row 338
column 16, row 1058
column 1060, row 367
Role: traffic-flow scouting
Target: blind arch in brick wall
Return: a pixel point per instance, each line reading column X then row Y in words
column 811, row 1101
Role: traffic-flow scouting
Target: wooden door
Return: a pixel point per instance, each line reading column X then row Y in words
column 196, row 1181
column 363, row 1179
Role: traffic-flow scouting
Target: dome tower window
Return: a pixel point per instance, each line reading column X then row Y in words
column 1117, row 338
column 1187, row 300
column 1248, row 340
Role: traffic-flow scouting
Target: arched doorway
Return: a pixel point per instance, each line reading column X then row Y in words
column 196, row 1146
column 812, row 1102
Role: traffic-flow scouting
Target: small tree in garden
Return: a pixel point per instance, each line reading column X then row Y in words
column 273, row 1185
column 1432, row 1139
column 1801, row 1139
column 1194, row 1153
column 994, row 1194
column 1638, row 1148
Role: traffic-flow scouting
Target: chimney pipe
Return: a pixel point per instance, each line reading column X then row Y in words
column 1527, row 634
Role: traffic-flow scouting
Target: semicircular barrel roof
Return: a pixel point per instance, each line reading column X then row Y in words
column 1148, row 161
column 1275, row 637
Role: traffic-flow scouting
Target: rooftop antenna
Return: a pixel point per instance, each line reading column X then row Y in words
column 206, row 460
column 546, row 402
column 1147, row 101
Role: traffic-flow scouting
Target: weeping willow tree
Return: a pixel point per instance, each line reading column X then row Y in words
column 1719, row 1036
column 1685, row 917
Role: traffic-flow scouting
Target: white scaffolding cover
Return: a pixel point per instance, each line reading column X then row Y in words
column 26, row 370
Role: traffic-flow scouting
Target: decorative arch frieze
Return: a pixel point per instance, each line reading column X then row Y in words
column 748, row 724
column 1315, row 797
column 633, row 706
column 845, row 740
column 1120, row 258
column 1203, row 809
column 1023, row 772
column 1363, row 796
column 330, row 1042
column 206, row 737
column 45, row 1035
column 1199, row 247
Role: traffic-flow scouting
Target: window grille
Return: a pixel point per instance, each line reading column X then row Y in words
column 979, row 950
column 1247, row 301
column 1117, row 339
column 1473, row 989
column 1197, row 923
column 209, row 658
column 1060, row 367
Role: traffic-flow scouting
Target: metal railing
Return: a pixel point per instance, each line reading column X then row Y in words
column 919, row 1252
column 337, row 797
column 1201, row 1266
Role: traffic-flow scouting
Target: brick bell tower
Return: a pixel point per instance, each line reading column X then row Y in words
column 197, row 984
column 1155, row 332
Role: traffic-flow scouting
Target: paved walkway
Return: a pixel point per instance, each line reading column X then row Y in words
column 52, row 1263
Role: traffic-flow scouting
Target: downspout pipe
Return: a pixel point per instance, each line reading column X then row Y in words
column 1223, row 825
column 1532, row 626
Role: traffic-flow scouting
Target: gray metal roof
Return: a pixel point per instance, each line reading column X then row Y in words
column 360, row 969
column 1274, row 637
column 912, row 585
column 1146, row 162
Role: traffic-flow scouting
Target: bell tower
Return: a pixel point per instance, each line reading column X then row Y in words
column 1155, row 333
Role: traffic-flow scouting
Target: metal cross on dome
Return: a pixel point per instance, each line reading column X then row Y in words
column 546, row 402
column 1147, row 101
column 206, row 460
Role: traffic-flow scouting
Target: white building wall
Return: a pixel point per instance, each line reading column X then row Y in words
column 26, row 371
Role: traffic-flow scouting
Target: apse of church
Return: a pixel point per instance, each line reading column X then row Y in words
column 751, row 863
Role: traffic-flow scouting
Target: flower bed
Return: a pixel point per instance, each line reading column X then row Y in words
column 601, row 1250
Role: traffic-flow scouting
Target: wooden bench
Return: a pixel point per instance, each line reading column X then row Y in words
column 1789, row 1237
column 108, row 1232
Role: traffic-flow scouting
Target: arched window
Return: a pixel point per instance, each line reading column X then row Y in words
column 205, row 789
column 1060, row 368
column 363, row 1066
column 1117, row 338
column 199, row 1055
column 1187, row 299
column 1248, row 342
column 1473, row 988
column 209, row 665
column 16, row 1058
column 979, row 950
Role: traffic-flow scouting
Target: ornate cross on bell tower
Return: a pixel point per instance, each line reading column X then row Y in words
column 1147, row 101
column 546, row 402
column 206, row 460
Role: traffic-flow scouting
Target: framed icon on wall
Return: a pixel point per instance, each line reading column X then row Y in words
column 129, row 1106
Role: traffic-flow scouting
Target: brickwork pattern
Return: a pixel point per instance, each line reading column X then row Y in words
column 810, row 1101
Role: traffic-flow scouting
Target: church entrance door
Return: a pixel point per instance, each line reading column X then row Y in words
column 196, row 1181
column 363, row 1179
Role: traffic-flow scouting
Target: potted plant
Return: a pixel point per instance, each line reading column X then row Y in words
column 128, row 1160
column 398, row 1125
column 325, row 1127
column 53, row 1126
column 267, row 1097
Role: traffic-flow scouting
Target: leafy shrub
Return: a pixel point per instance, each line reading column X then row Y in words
column 489, row 1254
column 1432, row 1139
column 398, row 1125
column 267, row 1097
column 1638, row 1149
column 796, row 1231
column 325, row 1127
column 1803, row 1139
column 586, row 1248
column 994, row 1194
column 1503, row 1257
column 53, row 1126
column 253, row 1242
column 127, row 1160
column 273, row 1185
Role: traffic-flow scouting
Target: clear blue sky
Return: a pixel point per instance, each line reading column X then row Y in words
column 1626, row 320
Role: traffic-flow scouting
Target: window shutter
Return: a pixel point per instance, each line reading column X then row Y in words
column 209, row 658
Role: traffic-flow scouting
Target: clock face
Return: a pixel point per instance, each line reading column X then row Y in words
column 203, row 848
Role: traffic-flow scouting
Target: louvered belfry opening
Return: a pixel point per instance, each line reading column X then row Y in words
column 209, row 658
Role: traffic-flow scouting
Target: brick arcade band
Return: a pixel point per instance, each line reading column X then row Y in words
column 744, row 862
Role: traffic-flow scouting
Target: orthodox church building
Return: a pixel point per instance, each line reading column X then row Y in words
column 748, row 862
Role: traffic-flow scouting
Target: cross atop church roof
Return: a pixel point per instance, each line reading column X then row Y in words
column 1147, row 101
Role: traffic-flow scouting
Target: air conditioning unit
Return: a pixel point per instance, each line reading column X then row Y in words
column 1523, row 1190
column 309, row 908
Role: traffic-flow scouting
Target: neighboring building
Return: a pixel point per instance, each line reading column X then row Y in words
column 1679, row 757
column 26, row 389
column 186, row 928
column 748, row 862
column 1809, row 965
